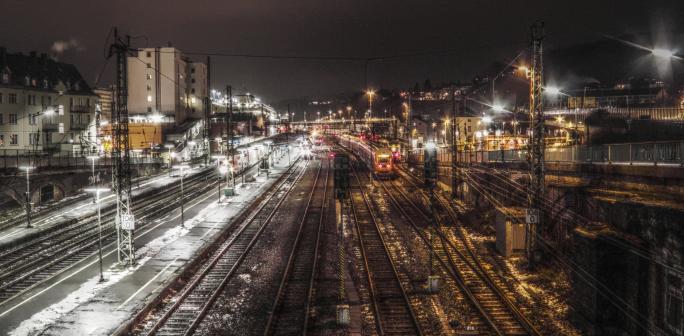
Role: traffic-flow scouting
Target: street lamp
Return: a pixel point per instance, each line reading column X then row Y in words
column 664, row 53
column 97, row 192
column 28, row 195
column 182, row 167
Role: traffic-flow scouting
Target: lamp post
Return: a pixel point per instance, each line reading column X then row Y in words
column 97, row 192
column 182, row 200
column 28, row 195
column 222, row 171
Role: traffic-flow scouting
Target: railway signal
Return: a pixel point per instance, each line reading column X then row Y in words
column 341, row 175
column 430, row 169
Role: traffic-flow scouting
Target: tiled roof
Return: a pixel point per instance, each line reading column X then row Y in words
column 39, row 68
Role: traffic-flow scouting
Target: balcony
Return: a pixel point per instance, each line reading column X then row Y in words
column 79, row 126
column 79, row 109
column 50, row 126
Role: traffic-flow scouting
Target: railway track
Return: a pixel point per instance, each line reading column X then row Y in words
column 31, row 263
column 486, row 293
column 188, row 306
column 290, row 312
column 392, row 309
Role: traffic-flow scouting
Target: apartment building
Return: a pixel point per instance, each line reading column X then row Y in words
column 45, row 106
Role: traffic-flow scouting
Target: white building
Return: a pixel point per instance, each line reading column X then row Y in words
column 44, row 106
column 164, row 85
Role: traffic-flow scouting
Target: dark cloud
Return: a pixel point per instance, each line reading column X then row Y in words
column 481, row 31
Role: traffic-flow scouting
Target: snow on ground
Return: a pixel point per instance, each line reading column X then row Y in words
column 90, row 303
column 88, row 290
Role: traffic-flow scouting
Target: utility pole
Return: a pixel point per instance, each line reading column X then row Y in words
column 125, row 221
column 229, row 123
column 207, row 111
column 454, row 146
column 535, row 215
column 287, row 135
column 263, row 121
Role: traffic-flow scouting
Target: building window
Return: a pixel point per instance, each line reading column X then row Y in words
column 88, row 102
column 5, row 78
column 193, row 81
column 192, row 70
column 45, row 83
column 149, row 87
column 149, row 98
column 12, row 98
column 149, row 66
column 14, row 139
column 149, row 76
column 12, row 119
column 71, row 101
column 34, row 139
column 149, row 109
column 193, row 91
column 674, row 303
column 2, row 139
column 149, row 54
column 32, row 119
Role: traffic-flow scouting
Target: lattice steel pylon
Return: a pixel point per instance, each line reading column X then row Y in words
column 121, row 175
column 536, row 146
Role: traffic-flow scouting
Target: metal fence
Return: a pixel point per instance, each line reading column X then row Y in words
column 651, row 153
column 14, row 159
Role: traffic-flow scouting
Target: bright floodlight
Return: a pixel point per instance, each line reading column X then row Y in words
column 552, row 90
column 486, row 119
column 498, row 108
column 664, row 53
column 430, row 145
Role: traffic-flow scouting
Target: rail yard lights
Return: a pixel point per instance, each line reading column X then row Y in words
column 97, row 192
column 182, row 199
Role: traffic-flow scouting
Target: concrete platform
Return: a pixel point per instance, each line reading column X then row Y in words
column 76, row 303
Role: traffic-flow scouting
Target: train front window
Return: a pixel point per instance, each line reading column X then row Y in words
column 384, row 159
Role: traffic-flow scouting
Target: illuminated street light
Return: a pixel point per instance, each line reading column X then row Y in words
column 664, row 53
column 552, row 90
column 497, row 108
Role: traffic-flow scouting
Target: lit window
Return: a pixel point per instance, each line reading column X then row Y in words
column 149, row 76
column 14, row 139
column 149, row 98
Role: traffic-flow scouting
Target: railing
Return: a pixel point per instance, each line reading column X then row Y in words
column 669, row 114
column 10, row 158
column 650, row 153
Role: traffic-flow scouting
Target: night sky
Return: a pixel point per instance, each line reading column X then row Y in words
column 478, row 33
